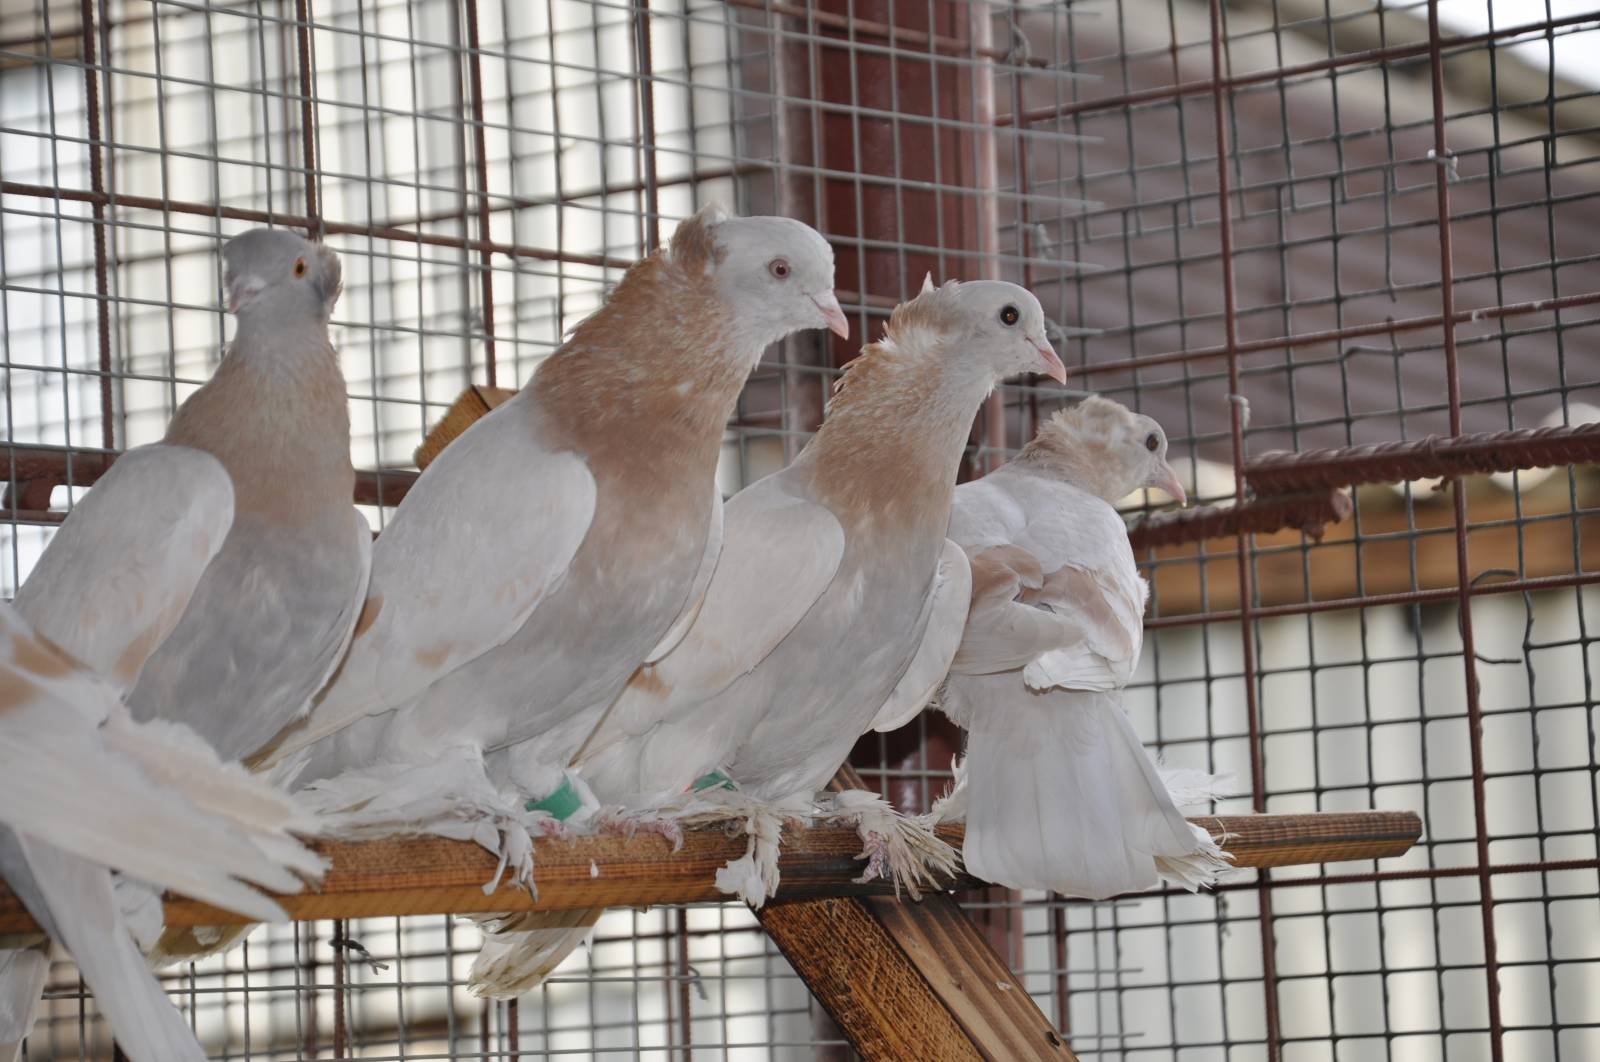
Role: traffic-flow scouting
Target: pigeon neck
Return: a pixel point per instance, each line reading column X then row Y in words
column 893, row 438
column 660, row 358
column 275, row 412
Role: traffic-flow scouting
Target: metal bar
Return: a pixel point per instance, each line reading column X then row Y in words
column 1469, row 656
column 1280, row 472
column 308, row 128
column 91, row 106
column 263, row 217
column 647, row 123
column 1236, row 414
column 1333, row 335
column 1408, row 597
column 924, row 41
column 1309, row 512
column 480, row 157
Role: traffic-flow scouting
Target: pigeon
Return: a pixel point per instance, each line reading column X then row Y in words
column 1059, row 792
column 83, row 787
column 276, row 608
column 836, row 593
column 556, row 544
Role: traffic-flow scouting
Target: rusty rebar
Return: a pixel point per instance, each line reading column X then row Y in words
column 1307, row 511
column 1280, row 471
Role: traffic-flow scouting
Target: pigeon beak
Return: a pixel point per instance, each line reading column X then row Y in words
column 1052, row 366
column 1166, row 479
column 832, row 316
column 243, row 287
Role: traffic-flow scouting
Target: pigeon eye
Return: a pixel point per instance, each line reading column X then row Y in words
column 1009, row 315
column 1151, row 443
column 299, row 267
column 779, row 268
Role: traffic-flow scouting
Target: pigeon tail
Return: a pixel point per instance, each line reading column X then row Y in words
column 1063, row 796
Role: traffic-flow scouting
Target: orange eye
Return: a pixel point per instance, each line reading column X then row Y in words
column 299, row 267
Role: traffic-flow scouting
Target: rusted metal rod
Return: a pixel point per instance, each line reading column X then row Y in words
column 1308, row 511
column 1281, row 472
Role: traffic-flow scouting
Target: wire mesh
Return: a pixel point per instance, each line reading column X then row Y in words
column 1295, row 225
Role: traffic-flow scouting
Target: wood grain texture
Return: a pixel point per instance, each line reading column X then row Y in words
column 866, row 982
column 910, row 980
column 425, row 875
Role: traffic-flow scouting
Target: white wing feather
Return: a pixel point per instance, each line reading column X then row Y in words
column 530, row 509
column 736, row 629
column 944, row 618
column 697, row 590
column 117, row 576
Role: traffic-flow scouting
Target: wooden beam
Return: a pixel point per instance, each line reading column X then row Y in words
column 916, row 980
column 427, row 875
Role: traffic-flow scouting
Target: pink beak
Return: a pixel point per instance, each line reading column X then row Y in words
column 241, row 288
column 837, row 323
column 1052, row 363
column 1166, row 479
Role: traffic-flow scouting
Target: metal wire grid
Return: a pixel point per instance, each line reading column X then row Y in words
column 856, row 118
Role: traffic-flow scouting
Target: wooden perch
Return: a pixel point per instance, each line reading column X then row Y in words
column 403, row 876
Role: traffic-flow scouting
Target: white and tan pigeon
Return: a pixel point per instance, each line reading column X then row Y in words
column 1059, row 793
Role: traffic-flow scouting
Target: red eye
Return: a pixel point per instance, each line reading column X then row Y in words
column 299, row 267
column 778, row 268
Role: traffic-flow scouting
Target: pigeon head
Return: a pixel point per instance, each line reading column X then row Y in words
column 275, row 267
column 1116, row 450
column 997, row 327
column 776, row 274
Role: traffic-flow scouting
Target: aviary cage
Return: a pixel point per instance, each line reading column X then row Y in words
column 1360, row 231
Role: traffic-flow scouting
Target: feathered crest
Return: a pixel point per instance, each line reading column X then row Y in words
column 694, row 244
column 1092, row 418
column 929, row 312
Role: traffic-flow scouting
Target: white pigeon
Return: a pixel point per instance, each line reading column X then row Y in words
column 276, row 608
column 838, row 600
column 555, row 545
column 83, row 787
column 1059, row 792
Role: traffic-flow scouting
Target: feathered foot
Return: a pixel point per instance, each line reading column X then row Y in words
column 902, row 848
column 451, row 797
column 752, row 877
column 952, row 807
column 628, row 824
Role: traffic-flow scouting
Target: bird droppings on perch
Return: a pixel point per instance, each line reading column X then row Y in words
column 406, row 876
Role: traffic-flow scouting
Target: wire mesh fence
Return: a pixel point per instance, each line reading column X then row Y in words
column 1293, row 225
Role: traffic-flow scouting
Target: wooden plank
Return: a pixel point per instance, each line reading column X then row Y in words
column 954, row 957
column 861, row 976
column 429, row 875
column 938, row 965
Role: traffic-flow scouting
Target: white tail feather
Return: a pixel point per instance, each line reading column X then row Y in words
column 1062, row 796
column 517, row 957
column 73, row 898
column 22, row 977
